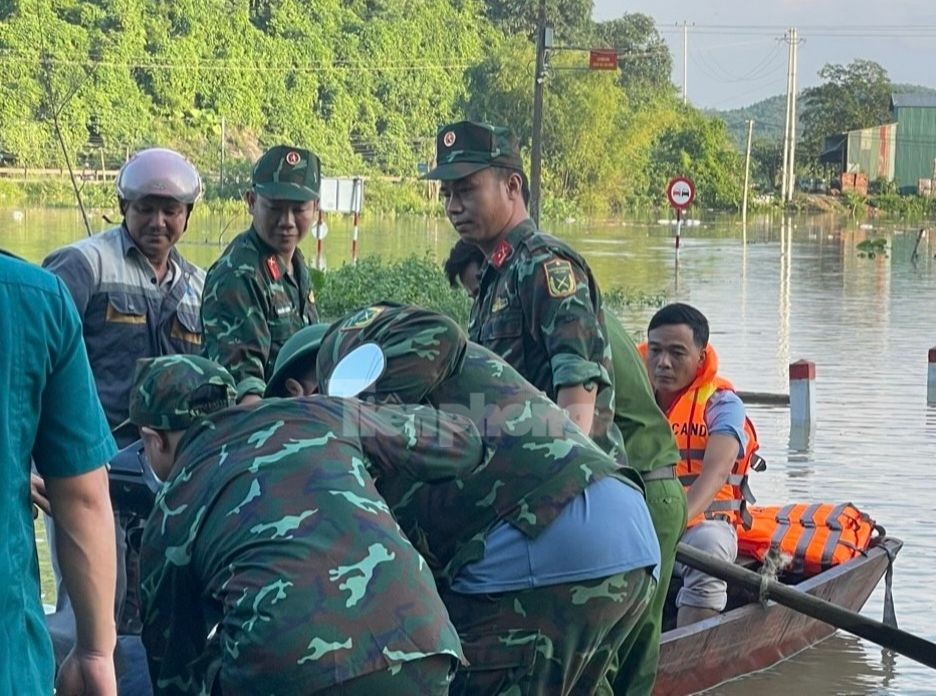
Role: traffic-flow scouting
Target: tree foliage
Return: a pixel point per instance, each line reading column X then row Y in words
column 365, row 83
column 852, row 96
column 570, row 19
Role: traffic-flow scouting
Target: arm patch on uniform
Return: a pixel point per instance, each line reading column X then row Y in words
column 363, row 318
column 560, row 279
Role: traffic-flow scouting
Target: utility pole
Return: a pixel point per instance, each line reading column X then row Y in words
column 685, row 62
column 747, row 180
column 786, row 123
column 221, row 170
column 539, row 79
column 792, row 184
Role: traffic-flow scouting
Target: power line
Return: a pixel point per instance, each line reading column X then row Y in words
column 223, row 66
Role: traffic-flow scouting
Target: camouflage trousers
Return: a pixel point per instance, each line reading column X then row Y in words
column 428, row 675
column 550, row 641
column 635, row 665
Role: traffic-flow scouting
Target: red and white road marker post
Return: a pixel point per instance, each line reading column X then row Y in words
column 803, row 394
column 802, row 404
column 931, row 378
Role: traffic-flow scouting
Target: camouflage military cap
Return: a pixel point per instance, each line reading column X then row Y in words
column 299, row 351
column 287, row 173
column 467, row 147
column 174, row 391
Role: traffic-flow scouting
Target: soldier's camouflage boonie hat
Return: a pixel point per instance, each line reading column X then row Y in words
column 467, row 147
column 301, row 348
column 174, row 391
column 287, row 173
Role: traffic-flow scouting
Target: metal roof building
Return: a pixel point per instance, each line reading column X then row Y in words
column 869, row 151
column 915, row 115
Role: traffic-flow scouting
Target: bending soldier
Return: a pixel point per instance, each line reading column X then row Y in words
column 651, row 450
column 526, row 506
column 271, row 563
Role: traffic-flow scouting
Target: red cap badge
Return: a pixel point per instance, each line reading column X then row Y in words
column 501, row 253
column 448, row 138
column 292, row 158
column 273, row 267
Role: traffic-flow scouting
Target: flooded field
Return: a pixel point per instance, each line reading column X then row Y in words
column 797, row 289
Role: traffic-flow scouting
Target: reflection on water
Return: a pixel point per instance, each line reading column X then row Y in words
column 798, row 289
column 839, row 666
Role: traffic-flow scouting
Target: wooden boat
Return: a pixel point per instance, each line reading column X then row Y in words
column 749, row 636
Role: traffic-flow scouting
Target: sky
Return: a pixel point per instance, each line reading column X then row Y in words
column 737, row 57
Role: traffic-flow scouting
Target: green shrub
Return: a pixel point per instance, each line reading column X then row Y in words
column 412, row 280
column 405, row 197
column 618, row 297
column 904, row 207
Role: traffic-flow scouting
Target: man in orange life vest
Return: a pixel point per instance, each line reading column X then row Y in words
column 716, row 444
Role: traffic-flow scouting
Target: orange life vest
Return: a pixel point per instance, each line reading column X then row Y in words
column 687, row 418
column 814, row 536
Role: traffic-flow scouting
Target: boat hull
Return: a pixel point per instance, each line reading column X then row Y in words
column 753, row 637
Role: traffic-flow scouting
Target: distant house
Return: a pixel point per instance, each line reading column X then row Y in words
column 903, row 151
column 915, row 115
column 868, row 151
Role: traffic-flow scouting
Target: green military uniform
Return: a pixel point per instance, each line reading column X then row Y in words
column 251, row 306
column 536, row 462
column 271, row 564
column 538, row 305
column 539, row 308
column 652, row 450
column 253, row 302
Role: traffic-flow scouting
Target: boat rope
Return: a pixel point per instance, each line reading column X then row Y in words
column 774, row 562
column 890, row 613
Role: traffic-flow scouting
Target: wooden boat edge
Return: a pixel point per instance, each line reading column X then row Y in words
column 872, row 566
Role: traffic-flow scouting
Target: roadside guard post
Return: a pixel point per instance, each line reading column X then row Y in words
column 680, row 192
column 931, row 378
column 339, row 196
column 802, row 403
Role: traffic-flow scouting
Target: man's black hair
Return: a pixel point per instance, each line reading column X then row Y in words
column 460, row 257
column 679, row 313
column 506, row 172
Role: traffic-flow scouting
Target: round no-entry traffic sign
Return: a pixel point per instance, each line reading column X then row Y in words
column 681, row 192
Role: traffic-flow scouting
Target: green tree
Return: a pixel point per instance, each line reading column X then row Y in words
column 852, row 96
column 699, row 147
column 643, row 57
column 570, row 19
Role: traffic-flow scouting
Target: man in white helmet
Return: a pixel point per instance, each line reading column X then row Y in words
column 138, row 298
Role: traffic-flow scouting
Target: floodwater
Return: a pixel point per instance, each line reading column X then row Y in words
column 797, row 289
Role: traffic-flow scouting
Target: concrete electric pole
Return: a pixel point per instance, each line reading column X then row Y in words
column 539, row 80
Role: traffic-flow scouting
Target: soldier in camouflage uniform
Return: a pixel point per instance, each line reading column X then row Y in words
column 270, row 563
column 538, row 305
column 652, row 451
column 541, row 594
column 258, row 293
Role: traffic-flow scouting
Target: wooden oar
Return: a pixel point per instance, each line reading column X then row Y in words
column 907, row 644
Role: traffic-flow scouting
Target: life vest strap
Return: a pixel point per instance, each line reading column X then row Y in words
column 694, row 455
column 809, row 524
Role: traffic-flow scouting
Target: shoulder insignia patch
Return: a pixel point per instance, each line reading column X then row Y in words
column 273, row 268
column 311, row 297
column 560, row 279
column 503, row 252
column 361, row 319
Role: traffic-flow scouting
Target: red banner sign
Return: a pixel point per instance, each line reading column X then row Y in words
column 602, row 60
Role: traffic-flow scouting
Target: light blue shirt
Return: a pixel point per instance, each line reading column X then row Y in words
column 724, row 414
column 49, row 410
column 603, row 531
